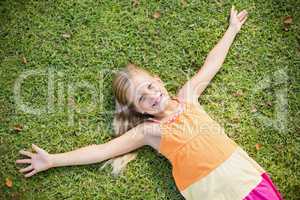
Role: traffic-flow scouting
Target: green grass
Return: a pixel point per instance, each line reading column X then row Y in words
column 109, row 34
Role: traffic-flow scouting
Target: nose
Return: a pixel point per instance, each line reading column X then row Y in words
column 153, row 96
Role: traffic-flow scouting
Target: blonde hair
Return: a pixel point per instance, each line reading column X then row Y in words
column 126, row 117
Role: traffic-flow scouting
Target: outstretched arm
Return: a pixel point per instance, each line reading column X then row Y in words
column 213, row 62
column 41, row 160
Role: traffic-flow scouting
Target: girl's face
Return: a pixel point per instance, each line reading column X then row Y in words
column 148, row 94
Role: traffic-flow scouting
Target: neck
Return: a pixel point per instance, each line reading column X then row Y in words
column 171, row 107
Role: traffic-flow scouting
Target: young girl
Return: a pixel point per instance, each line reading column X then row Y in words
column 206, row 164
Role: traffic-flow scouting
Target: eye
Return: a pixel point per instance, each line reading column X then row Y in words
column 150, row 86
column 141, row 98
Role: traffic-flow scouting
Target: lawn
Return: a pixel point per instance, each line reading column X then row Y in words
column 62, row 54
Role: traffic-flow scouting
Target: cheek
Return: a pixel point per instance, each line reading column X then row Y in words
column 143, row 107
column 146, row 105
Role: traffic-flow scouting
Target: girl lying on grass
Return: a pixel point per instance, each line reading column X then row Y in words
column 206, row 164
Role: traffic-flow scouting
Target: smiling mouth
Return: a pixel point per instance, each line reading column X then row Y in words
column 157, row 100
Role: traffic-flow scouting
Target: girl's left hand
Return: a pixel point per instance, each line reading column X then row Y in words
column 37, row 162
column 237, row 19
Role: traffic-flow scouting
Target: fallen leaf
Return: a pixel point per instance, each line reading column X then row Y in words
column 269, row 103
column 253, row 109
column 237, row 94
column 156, row 15
column 135, row 3
column 288, row 20
column 18, row 128
column 66, row 35
column 24, row 60
column 8, row 182
column 258, row 146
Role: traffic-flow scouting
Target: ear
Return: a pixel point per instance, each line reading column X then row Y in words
column 120, row 107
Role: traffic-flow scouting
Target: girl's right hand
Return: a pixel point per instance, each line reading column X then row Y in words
column 39, row 161
column 237, row 19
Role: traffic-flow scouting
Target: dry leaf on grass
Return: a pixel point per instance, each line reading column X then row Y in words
column 269, row 103
column 237, row 94
column 8, row 182
column 257, row 146
column 253, row 109
column 18, row 128
column 24, row 60
column 156, row 15
column 287, row 21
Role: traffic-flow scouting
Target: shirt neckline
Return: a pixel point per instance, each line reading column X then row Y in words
column 173, row 117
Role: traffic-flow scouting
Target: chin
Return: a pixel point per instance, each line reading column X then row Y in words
column 162, row 106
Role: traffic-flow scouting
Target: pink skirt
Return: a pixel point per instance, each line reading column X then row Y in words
column 265, row 190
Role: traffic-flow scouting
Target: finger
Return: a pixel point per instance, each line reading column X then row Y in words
column 23, row 161
column 232, row 10
column 33, row 172
column 36, row 148
column 242, row 15
column 243, row 21
column 26, row 169
column 26, row 153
